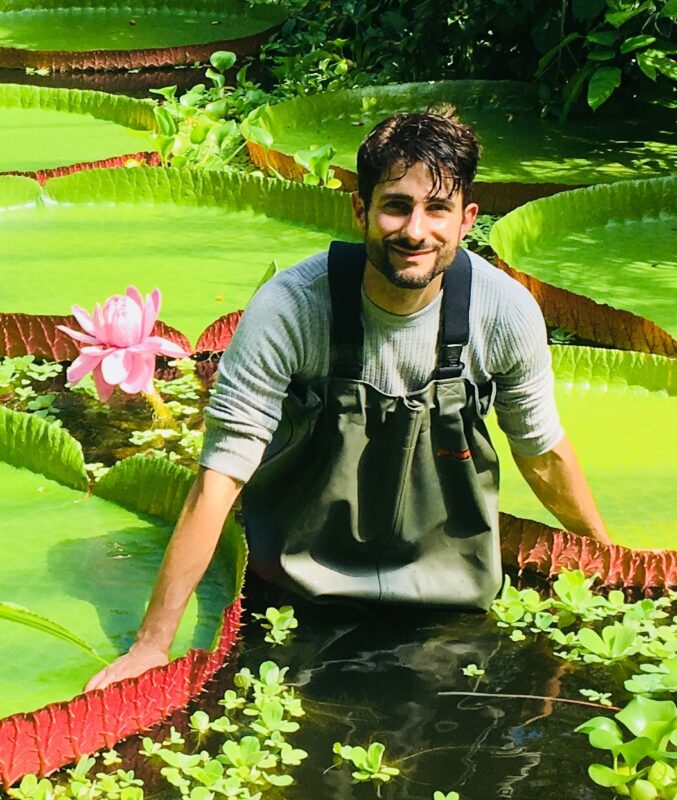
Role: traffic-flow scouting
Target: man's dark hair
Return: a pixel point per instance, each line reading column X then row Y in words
column 446, row 146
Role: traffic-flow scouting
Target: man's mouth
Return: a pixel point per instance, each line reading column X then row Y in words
column 409, row 252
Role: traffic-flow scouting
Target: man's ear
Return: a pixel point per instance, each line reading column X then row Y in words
column 360, row 211
column 470, row 213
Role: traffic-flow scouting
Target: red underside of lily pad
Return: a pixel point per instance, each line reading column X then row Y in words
column 609, row 326
column 117, row 60
column 43, row 175
column 534, row 547
column 60, row 733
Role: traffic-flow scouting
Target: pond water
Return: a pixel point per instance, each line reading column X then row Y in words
column 377, row 676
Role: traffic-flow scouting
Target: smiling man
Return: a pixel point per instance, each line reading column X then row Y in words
column 350, row 406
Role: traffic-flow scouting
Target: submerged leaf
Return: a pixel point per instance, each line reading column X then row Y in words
column 24, row 616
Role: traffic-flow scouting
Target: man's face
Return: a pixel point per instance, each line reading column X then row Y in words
column 410, row 235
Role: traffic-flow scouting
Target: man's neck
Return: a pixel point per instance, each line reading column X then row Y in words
column 391, row 298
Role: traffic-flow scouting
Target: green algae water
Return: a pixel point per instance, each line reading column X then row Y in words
column 129, row 26
column 36, row 138
column 206, row 261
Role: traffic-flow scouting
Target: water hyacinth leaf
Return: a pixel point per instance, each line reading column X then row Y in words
column 24, row 616
column 81, row 125
column 519, row 145
column 605, row 776
column 650, row 718
column 204, row 238
column 612, row 244
column 55, row 538
column 106, row 35
column 598, row 392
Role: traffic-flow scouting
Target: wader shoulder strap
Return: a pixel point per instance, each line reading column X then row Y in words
column 455, row 313
column 346, row 268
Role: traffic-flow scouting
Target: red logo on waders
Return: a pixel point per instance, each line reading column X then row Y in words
column 458, row 455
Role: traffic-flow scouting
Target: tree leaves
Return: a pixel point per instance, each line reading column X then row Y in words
column 603, row 83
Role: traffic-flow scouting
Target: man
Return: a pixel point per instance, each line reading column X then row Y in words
column 380, row 482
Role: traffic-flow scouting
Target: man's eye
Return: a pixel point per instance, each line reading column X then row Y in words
column 438, row 208
column 394, row 207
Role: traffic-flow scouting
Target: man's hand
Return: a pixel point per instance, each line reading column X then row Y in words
column 138, row 660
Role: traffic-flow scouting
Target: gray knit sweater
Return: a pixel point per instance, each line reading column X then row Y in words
column 285, row 333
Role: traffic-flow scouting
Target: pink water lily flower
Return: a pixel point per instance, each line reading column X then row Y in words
column 117, row 346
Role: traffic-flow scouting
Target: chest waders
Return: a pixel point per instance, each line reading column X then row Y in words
column 367, row 496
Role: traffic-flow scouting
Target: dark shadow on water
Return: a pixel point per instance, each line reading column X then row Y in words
column 115, row 572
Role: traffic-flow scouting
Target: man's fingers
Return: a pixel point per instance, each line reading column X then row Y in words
column 126, row 666
column 99, row 681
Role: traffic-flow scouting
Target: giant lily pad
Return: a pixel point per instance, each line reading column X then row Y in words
column 525, row 156
column 205, row 239
column 613, row 244
column 94, row 35
column 618, row 409
column 50, row 128
column 76, row 561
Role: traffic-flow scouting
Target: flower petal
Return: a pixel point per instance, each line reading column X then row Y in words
column 103, row 389
column 84, row 319
column 78, row 335
column 152, row 310
column 116, row 365
column 141, row 374
column 82, row 365
column 99, row 323
column 133, row 293
column 124, row 321
column 165, row 347
column 96, row 349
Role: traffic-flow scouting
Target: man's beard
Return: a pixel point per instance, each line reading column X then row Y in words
column 377, row 253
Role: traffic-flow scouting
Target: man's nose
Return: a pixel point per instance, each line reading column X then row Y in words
column 414, row 228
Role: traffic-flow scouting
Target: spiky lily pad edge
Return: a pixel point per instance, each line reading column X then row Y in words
column 130, row 160
column 534, row 547
column 53, row 736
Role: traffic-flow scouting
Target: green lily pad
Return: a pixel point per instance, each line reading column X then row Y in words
column 139, row 25
column 518, row 145
column 614, row 244
column 204, row 239
column 45, row 128
column 618, row 408
column 85, row 563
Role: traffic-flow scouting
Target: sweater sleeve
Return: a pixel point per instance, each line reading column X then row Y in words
column 521, row 366
column 245, row 408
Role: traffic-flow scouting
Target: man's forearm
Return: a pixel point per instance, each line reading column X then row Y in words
column 188, row 555
column 557, row 479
